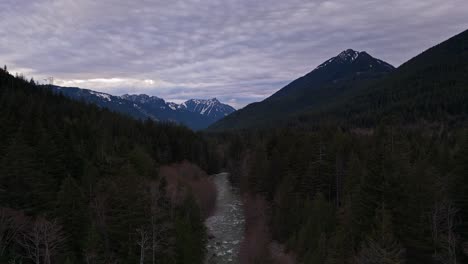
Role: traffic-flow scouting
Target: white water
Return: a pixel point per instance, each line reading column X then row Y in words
column 226, row 226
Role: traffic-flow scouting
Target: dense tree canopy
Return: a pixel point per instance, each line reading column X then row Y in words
column 89, row 180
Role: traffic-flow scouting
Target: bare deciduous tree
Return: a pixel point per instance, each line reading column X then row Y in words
column 144, row 239
column 443, row 219
column 41, row 240
column 30, row 240
column 11, row 222
column 255, row 247
column 375, row 253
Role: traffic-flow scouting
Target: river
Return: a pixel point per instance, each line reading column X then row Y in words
column 226, row 225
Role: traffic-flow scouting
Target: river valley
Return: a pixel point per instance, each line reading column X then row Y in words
column 226, row 225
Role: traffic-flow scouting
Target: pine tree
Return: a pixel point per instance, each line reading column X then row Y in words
column 459, row 194
column 190, row 234
column 71, row 210
column 381, row 247
column 93, row 246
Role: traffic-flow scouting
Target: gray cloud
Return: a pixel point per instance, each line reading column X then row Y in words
column 237, row 50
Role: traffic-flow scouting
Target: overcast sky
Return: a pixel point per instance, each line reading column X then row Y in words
column 239, row 51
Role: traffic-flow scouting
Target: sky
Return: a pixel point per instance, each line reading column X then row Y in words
column 238, row 51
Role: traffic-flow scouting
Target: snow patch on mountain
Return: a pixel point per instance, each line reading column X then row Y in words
column 102, row 95
column 211, row 107
column 143, row 98
column 351, row 56
column 173, row 106
column 195, row 113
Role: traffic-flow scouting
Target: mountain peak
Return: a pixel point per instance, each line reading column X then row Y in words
column 349, row 55
column 346, row 56
column 208, row 107
column 347, row 65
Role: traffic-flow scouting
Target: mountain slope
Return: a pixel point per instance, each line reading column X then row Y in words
column 347, row 65
column 336, row 77
column 432, row 87
column 142, row 106
column 114, row 103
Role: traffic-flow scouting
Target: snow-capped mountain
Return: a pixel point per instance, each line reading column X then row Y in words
column 334, row 79
column 211, row 107
column 195, row 113
column 347, row 65
column 350, row 56
column 143, row 99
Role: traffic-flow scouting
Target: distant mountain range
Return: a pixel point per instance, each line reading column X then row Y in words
column 195, row 113
column 332, row 79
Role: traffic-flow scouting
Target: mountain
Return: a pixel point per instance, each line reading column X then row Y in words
column 347, row 65
column 211, row 108
column 431, row 89
column 337, row 77
column 103, row 100
column 195, row 114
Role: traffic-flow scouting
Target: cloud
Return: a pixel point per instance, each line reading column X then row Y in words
column 239, row 51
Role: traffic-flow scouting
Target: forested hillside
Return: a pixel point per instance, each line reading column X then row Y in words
column 79, row 184
column 336, row 196
column 377, row 177
column 430, row 88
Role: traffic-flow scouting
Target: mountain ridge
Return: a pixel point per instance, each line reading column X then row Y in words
column 429, row 88
column 335, row 77
column 142, row 106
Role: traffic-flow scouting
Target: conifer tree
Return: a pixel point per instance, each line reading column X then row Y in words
column 381, row 247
